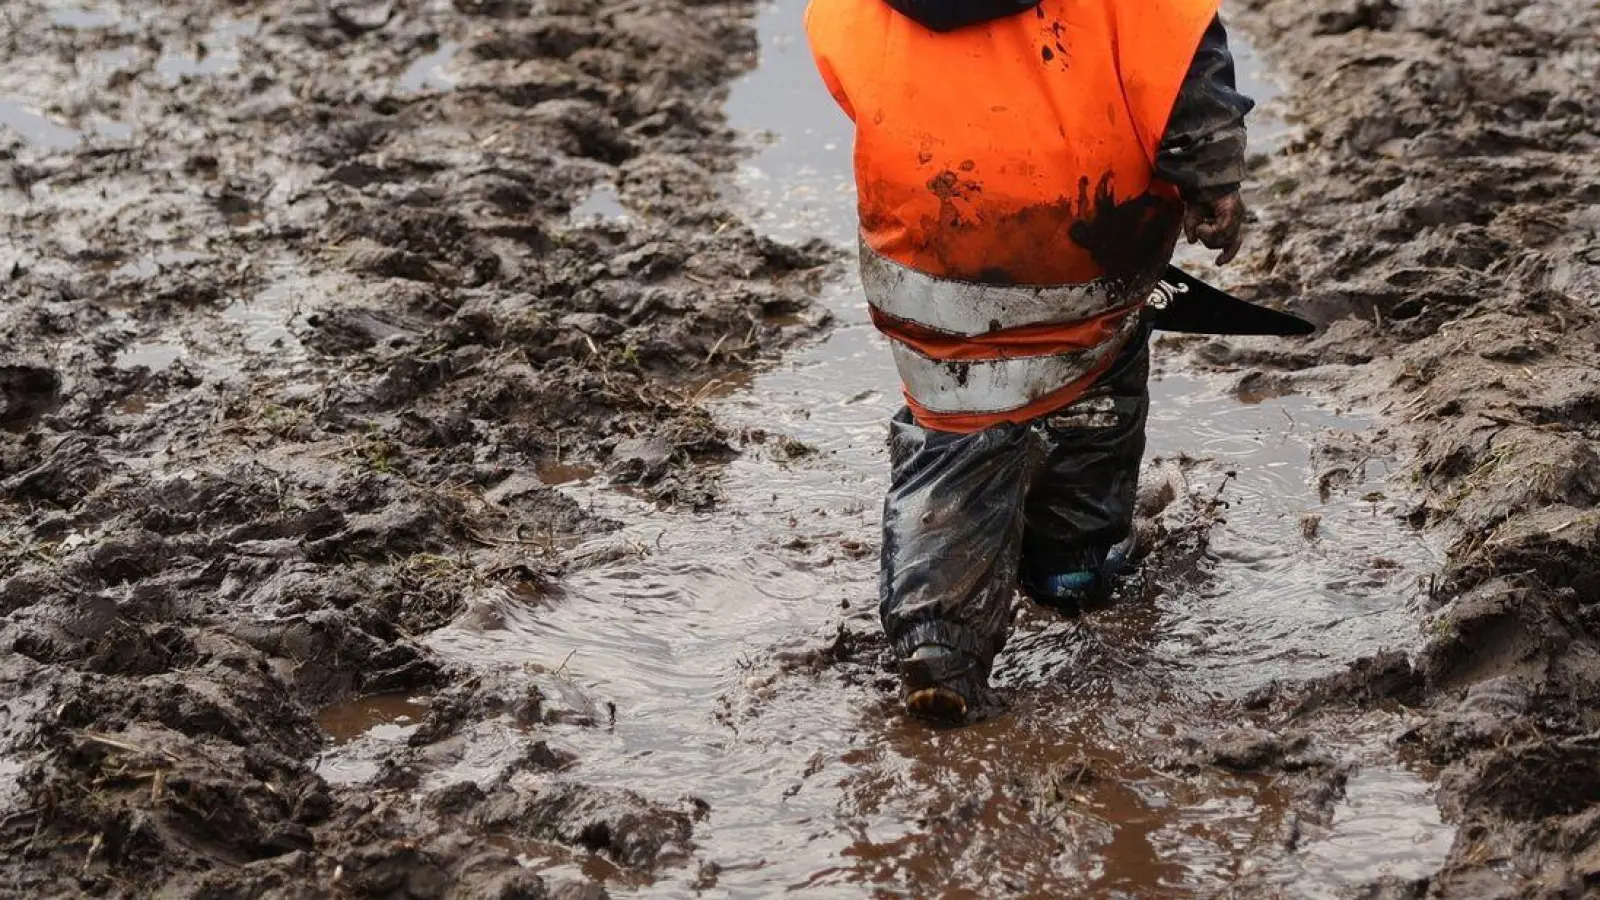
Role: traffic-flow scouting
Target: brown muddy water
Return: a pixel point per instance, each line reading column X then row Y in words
column 690, row 654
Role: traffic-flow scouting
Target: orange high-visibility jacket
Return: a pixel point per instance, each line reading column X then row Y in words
column 1011, row 223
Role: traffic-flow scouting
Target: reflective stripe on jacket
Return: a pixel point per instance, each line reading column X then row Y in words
column 1011, row 222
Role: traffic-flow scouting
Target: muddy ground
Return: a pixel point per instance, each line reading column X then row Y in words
column 299, row 334
column 213, row 524
column 1439, row 210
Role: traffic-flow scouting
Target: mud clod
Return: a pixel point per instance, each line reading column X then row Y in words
column 1506, row 781
column 1386, row 677
column 620, row 824
column 1250, row 750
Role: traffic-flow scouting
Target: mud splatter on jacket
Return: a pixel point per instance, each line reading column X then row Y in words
column 1203, row 152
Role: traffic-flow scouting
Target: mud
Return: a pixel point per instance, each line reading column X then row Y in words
column 390, row 509
column 743, row 662
column 294, row 307
column 1436, row 208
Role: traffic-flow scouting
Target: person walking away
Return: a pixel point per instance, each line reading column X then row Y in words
column 1025, row 169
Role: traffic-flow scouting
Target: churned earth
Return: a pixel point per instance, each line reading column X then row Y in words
column 291, row 321
column 388, row 506
column 1438, row 208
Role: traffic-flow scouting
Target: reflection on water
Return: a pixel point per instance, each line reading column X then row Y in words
column 602, row 204
column 83, row 17
column 214, row 53
column 153, row 355
column 264, row 319
column 383, row 716
column 35, row 127
column 430, row 72
column 1387, row 826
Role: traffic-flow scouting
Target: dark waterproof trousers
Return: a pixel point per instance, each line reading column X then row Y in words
column 971, row 518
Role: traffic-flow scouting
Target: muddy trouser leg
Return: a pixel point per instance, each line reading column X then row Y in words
column 1080, row 509
column 952, row 533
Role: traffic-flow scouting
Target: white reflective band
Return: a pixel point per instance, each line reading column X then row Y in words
column 1163, row 294
column 990, row 385
column 969, row 309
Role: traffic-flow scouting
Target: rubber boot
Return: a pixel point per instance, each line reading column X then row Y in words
column 1071, row 593
column 944, row 685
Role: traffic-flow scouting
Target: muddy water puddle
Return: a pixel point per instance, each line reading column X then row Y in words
column 214, row 52
column 557, row 473
column 701, row 644
column 602, row 204
column 152, row 355
column 384, row 716
column 35, row 127
column 430, row 72
column 362, row 730
column 260, row 323
column 263, row 320
column 1386, row 827
column 83, row 17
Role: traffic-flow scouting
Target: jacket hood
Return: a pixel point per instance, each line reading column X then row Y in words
column 948, row 15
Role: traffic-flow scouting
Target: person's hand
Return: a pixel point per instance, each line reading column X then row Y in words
column 1218, row 224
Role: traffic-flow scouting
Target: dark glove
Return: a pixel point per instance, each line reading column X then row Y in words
column 1218, row 223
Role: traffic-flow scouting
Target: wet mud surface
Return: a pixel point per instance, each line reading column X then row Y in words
column 1437, row 207
column 294, row 313
column 397, row 497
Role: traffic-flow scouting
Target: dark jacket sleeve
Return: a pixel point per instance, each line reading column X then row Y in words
column 948, row 15
column 1203, row 151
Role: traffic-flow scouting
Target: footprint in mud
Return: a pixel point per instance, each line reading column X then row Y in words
column 26, row 393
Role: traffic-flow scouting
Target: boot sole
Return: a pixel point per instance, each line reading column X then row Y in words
column 938, row 704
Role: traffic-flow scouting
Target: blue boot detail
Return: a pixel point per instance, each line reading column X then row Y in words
column 1070, row 592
